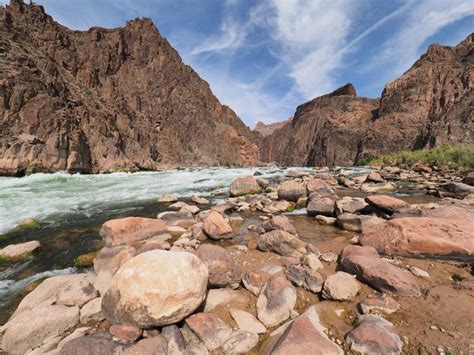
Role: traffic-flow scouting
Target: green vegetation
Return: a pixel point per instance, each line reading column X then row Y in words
column 455, row 156
column 85, row 260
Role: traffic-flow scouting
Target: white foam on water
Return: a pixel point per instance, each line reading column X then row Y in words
column 11, row 287
column 52, row 197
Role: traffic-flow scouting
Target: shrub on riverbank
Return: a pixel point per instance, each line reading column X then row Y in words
column 456, row 156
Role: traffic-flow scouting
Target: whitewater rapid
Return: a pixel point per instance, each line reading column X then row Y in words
column 50, row 198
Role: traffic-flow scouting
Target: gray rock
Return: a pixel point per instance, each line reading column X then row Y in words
column 303, row 276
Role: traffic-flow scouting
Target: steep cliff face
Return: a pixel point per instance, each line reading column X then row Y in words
column 267, row 129
column 328, row 130
column 431, row 104
column 106, row 100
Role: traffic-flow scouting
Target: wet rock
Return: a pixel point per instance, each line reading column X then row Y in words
column 189, row 209
column 357, row 223
column 130, row 230
column 181, row 219
column 69, row 290
column 434, row 237
column 407, row 212
column 177, row 206
column 125, row 332
column 244, row 186
column 29, row 329
column 320, row 206
column 341, row 287
column 280, row 223
column 374, row 176
column 167, row 198
column 365, row 263
column 156, row 288
column 97, row 344
column 235, row 221
column 382, row 303
column 241, row 342
column 247, row 322
column 92, row 311
column 225, row 296
column 210, row 329
column 350, row 205
column 223, row 271
column 216, row 227
column 254, row 281
column 303, row 335
column 371, row 188
column 199, row 200
column 175, row 340
column 156, row 345
column 386, row 203
column 469, row 179
column 456, row 189
column 14, row 251
column 324, row 220
column 374, row 335
column 276, row 301
column 282, row 243
column 291, row 191
column 303, row 276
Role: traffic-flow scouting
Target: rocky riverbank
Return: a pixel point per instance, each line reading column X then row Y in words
column 310, row 262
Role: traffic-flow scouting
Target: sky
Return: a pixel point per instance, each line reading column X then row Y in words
column 263, row 58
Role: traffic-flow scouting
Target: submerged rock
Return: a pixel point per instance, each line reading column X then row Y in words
column 156, row 288
column 14, row 251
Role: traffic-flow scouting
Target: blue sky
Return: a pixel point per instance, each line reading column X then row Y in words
column 263, row 58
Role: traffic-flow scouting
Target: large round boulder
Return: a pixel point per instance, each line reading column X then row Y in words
column 156, row 288
column 244, row 186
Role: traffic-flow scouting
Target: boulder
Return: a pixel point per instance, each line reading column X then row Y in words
column 371, row 188
column 130, row 230
column 320, row 206
column 14, row 251
column 381, row 303
column 92, row 311
column 365, row 263
column 199, row 200
column 223, row 271
column 282, row 243
column 177, row 206
column 244, row 186
column 125, row 332
column 469, row 179
column 276, row 301
column 432, row 237
column 386, row 203
column 156, row 345
column 303, row 335
column 96, row 344
column 167, row 198
column 189, row 209
column 374, row 335
column 291, row 191
column 280, row 223
column 247, row 322
column 341, row 287
column 29, row 329
column 68, row 290
column 303, row 276
column 357, row 223
column 241, row 342
column 216, row 227
column 210, row 329
column 374, row 176
column 350, row 205
column 320, row 187
column 456, row 189
column 156, row 288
